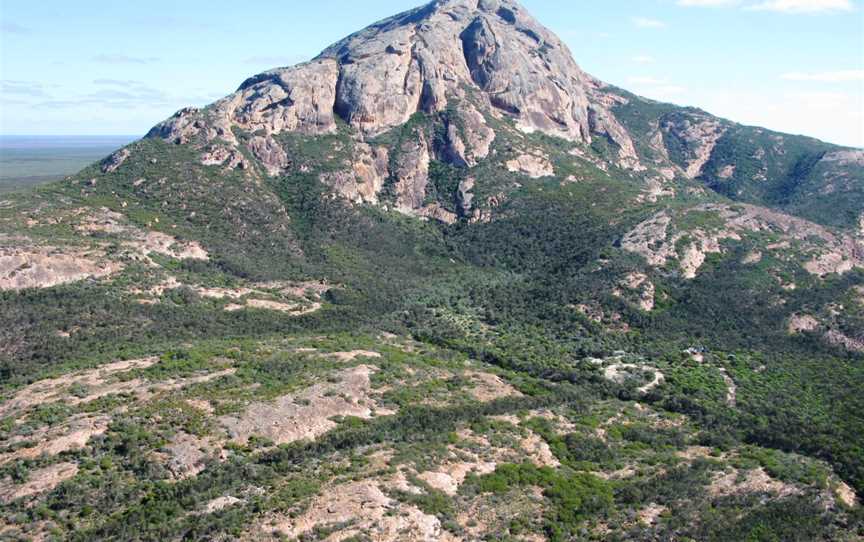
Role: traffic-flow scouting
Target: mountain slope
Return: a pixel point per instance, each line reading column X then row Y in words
column 498, row 256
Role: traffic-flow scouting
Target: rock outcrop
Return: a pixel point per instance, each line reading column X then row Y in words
column 412, row 174
column 43, row 267
column 271, row 155
column 113, row 162
column 696, row 137
column 463, row 60
column 533, row 165
column 465, row 82
column 820, row 251
column 363, row 177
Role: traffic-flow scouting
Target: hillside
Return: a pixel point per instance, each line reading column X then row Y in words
column 438, row 283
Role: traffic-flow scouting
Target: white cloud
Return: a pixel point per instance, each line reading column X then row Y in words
column 841, row 76
column 644, row 22
column 803, row 6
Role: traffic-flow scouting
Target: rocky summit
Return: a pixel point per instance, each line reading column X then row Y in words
column 437, row 283
column 462, row 61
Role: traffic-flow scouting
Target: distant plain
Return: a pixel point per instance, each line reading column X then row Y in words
column 27, row 161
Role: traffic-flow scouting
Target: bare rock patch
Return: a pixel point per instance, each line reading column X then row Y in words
column 38, row 481
column 307, row 414
column 651, row 513
column 51, row 441
column 799, row 323
column 488, row 387
column 44, row 267
column 622, row 372
column 820, row 251
column 366, row 510
column 113, row 162
column 533, row 165
column 55, row 389
column 188, row 454
column 757, row 480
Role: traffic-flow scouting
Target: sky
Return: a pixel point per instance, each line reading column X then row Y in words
column 100, row 67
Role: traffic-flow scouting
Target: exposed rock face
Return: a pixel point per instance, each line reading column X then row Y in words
column 308, row 414
column 299, row 99
column 43, row 267
column 51, row 441
column 726, row 172
column 161, row 243
column 532, row 165
column 113, row 162
column 645, row 238
column 799, row 323
column 639, row 283
column 270, row 153
column 39, row 481
column 735, row 482
column 366, row 510
column 825, row 252
column 181, row 127
column 465, row 195
column 851, row 157
column 222, row 156
column 412, row 174
column 698, row 137
column 480, row 57
column 695, row 253
column 499, row 64
column 849, row 343
column 365, row 176
column 469, row 140
column 436, row 212
column 188, row 454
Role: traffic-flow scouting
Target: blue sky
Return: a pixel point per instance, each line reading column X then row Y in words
column 108, row 67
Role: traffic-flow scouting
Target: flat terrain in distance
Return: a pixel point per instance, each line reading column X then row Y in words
column 27, row 161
